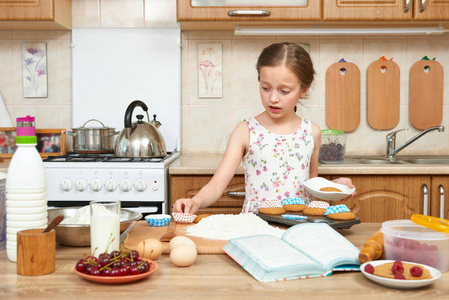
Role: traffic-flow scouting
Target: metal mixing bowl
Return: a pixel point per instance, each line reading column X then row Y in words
column 78, row 235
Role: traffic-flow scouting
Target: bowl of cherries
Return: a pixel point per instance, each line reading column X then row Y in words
column 115, row 267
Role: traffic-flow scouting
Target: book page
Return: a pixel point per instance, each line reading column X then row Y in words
column 271, row 252
column 322, row 244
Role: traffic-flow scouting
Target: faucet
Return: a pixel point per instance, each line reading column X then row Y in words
column 391, row 140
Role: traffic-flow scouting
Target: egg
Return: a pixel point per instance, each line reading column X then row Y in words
column 149, row 248
column 183, row 255
column 181, row 240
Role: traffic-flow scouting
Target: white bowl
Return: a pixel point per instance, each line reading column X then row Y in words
column 27, row 217
column 26, row 224
column 26, row 210
column 28, row 203
column 23, row 197
column 314, row 185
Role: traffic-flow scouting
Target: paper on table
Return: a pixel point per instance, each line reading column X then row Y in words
column 5, row 119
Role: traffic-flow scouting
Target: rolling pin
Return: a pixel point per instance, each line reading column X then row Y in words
column 373, row 248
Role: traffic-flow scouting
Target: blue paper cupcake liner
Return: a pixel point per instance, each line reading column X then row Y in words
column 158, row 220
column 335, row 209
column 293, row 201
column 294, row 217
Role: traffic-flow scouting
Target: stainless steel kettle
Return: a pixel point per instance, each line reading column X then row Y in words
column 140, row 139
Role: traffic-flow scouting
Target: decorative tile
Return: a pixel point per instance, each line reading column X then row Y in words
column 34, row 71
column 210, row 70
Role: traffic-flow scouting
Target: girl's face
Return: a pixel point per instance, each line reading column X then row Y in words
column 280, row 90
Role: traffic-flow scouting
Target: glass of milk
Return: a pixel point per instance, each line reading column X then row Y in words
column 104, row 226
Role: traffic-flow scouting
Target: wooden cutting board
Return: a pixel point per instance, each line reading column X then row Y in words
column 142, row 231
column 383, row 97
column 343, row 96
column 426, row 94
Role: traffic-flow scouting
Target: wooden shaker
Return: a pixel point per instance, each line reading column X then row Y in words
column 35, row 252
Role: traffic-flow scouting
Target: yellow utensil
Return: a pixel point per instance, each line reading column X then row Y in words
column 434, row 223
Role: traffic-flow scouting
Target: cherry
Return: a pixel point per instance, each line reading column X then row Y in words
column 123, row 271
column 134, row 271
column 81, row 266
column 106, row 272
column 95, row 271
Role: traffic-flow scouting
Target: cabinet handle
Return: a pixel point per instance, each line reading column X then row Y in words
column 441, row 201
column 237, row 13
column 235, row 194
column 407, row 6
column 426, row 199
column 423, row 6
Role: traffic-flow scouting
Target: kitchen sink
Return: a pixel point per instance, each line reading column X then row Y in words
column 400, row 160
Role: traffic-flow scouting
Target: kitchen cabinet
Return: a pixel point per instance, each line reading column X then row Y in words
column 187, row 186
column 381, row 198
column 36, row 15
column 227, row 17
column 383, row 10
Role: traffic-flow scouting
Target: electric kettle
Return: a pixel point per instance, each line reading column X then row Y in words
column 140, row 139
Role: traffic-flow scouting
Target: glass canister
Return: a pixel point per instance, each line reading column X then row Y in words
column 333, row 146
column 104, row 226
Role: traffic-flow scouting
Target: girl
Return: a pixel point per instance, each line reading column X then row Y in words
column 279, row 148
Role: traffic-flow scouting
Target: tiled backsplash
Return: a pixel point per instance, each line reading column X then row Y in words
column 206, row 122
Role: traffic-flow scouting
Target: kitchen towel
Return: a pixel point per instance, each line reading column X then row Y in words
column 5, row 119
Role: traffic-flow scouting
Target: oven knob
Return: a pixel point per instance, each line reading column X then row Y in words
column 140, row 185
column 81, row 184
column 110, row 185
column 125, row 185
column 66, row 185
column 155, row 188
column 95, row 185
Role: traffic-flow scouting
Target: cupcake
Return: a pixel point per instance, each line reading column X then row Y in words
column 294, row 204
column 271, row 207
column 316, row 208
column 339, row 212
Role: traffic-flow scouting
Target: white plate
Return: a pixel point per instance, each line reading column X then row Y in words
column 398, row 283
column 314, row 185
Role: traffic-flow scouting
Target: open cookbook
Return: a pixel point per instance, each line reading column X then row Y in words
column 305, row 250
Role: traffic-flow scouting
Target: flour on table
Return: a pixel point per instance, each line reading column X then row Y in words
column 225, row 227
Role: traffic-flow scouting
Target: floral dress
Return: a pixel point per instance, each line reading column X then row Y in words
column 276, row 165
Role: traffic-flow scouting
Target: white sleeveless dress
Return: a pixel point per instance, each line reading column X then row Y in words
column 276, row 165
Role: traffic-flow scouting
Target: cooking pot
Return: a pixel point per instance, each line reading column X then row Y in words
column 140, row 139
column 93, row 139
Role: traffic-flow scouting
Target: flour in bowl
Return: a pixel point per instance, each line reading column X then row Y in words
column 225, row 227
column 82, row 215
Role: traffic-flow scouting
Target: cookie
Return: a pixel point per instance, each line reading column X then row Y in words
column 339, row 212
column 200, row 217
column 271, row 207
column 384, row 270
column 316, row 208
column 294, row 204
column 330, row 189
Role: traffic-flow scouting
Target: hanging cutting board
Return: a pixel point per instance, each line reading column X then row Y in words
column 343, row 96
column 383, row 102
column 426, row 94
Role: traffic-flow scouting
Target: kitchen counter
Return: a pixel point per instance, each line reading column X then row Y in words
column 205, row 164
column 210, row 277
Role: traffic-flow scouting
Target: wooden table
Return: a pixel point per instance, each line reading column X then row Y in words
column 210, row 277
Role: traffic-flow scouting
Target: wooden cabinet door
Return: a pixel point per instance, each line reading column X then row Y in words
column 186, row 12
column 367, row 10
column 381, row 198
column 431, row 10
column 187, row 186
column 439, row 202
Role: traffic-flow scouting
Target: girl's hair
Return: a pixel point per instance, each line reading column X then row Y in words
column 292, row 56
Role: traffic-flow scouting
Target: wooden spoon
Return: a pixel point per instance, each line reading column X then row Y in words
column 170, row 232
column 54, row 223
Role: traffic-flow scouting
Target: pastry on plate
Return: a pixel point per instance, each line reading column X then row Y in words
column 339, row 212
column 271, row 207
column 316, row 208
column 294, row 204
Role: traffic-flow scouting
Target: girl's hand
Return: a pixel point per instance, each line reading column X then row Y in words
column 347, row 182
column 186, row 205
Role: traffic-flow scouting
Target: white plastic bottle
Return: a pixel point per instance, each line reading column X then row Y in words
column 26, row 187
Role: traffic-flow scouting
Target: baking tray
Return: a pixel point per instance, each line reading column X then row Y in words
column 311, row 219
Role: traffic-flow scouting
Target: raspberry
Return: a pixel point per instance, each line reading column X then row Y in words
column 399, row 276
column 369, row 269
column 416, row 271
column 397, row 267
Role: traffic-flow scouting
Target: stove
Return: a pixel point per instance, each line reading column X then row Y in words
column 141, row 184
